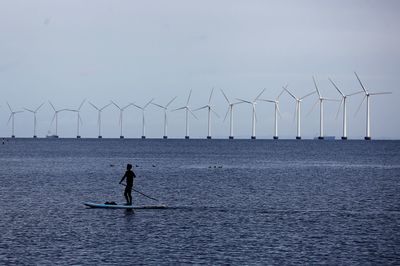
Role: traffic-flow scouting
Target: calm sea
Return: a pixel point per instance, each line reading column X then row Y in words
column 238, row 202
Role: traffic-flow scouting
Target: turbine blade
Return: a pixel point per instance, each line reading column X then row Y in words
column 259, row 95
column 40, row 106
column 181, row 108
column 226, row 115
column 279, row 111
column 190, row 94
column 244, row 101
column 80, row 106
column 192, row 113
column 291, row 94
column 9, row 118
column 158, row 105
column 280, row 94
column 226, row 98
column 170, row 101
column 147, row 104
column 215, row 113
column 336, row 87
column 354, row 93
column 9, row 107
column 316, row 87
column 295, row 112
column 52, row 120
column 359, row 107
column 94, row 106
column 270, row 101
column 312, row 109
column 379, row 93
column 211, row 94
column 52, row 106
column 338, row 111
column 29, row 110
column 126, row 106
column 104, row 107
column 197, row 109
column 362, row 86
column 311, row 93
column 116, row 105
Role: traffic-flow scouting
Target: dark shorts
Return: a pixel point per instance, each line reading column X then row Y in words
column 128, row 189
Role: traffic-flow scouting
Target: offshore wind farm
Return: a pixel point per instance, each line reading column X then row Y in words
column 199, row 132
column 53, row 132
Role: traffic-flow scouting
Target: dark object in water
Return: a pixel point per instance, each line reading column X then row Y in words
column 110, row 203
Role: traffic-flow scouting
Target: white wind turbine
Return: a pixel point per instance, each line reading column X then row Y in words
column 209, row 109
column 55, row 117
column 367, row 95
column 343, row 102
column 34, row 118
column 321, row 109
column 187, row 109
column 121, row 113
column 230, row 111
column 143, row 108
column 298, row 109
column 79, row 119
column 277, row 111
column 99, row 110
column 253, row 119
column 12, row 118
column 165, row 116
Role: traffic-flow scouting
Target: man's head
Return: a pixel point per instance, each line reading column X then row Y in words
column 128, row 166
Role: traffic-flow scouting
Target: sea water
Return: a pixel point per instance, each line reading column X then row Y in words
column 238, row 202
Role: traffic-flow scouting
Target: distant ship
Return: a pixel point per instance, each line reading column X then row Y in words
column 52, row 136
column 327, row 138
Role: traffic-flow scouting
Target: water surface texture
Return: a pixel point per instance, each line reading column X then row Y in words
column 229, row 202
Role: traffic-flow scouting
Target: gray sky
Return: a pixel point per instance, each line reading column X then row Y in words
column 132, row 51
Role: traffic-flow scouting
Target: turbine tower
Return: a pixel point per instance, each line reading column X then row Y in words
column 55, row 117
column 12, row 118
column 165, row 108
column 34, row 118
column 230, row 111
column 343, row 102
column 277, row 111
column 321, row 109
column 99, row 110
column 79, row 119
column 298, row 109
column 210, row 109
column 121, row 113
column 143, row 108
column 253, row 120
column 188, row 110
column 367, row 95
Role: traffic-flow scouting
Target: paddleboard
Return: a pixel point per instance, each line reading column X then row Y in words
column 129, row 207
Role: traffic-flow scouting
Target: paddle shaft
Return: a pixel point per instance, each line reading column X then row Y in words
column 141, row 193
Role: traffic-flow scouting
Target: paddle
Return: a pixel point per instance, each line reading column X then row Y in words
column 141, row 193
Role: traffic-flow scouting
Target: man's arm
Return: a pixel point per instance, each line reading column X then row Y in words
column 122, row 179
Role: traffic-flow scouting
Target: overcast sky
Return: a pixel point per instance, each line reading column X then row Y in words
column 132, row 51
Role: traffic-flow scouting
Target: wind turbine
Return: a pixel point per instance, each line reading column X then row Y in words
column 99, row 110
column 165, row 116
column 230, row 111
column 321, row 109
column 277, row 111
column 253, row 120
column 298, row 108
column 121, row 113
column 143, row 117
column 34, row 118
column 210, row 109
column 187, row 109
column 367, row 95
column 79, row 119
column 12, row 117
column 343, row 102
column 55, row 117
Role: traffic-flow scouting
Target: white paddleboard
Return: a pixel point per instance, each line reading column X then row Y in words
column 129, row 207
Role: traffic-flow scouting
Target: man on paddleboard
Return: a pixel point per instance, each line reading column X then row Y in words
column 130, row 175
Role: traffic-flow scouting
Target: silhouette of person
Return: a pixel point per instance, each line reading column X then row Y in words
column 129, row 175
